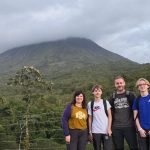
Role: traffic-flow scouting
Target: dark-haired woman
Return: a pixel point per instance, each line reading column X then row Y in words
column 74, row 122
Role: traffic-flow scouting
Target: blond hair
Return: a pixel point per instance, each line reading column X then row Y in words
column 142, row 79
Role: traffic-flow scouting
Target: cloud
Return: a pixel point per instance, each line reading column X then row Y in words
column 119, row 26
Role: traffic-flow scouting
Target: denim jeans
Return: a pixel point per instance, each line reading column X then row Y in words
column 128, row 133
column 78, row 139
column 144, row 143
column 102, row 140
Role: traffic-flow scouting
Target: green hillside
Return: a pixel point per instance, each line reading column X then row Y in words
column 69, row 64
column 59, row 56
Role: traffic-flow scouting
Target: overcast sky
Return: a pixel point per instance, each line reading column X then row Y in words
column 120, row 26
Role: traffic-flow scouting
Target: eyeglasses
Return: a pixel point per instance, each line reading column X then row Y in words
column 142, row 84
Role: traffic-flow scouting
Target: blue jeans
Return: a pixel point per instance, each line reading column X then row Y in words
column 128, row 133
column 78, row 139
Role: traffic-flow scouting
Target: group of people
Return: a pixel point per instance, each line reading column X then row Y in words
column 106, row 123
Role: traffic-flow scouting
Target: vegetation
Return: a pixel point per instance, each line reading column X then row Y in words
column 32, row 104
column 46, row 107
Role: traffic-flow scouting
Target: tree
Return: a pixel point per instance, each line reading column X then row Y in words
column 29, row 79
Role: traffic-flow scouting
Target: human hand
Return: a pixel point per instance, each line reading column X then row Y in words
column 109, row 132
column 67, row 139
column 90, row 137
column 142, row 132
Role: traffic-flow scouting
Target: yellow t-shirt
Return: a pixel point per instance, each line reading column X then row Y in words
column 78, row 118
